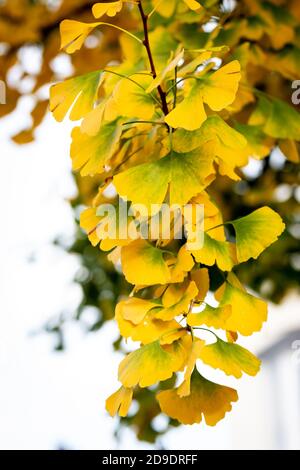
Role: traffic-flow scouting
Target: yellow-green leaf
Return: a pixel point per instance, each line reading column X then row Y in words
column 248, row 313
column 230, row 358
column 91, row 153
column 152, row 363
column 148, row 183
column 211, row 317
column 144, row 264
column 80, row 93
column 255, row 232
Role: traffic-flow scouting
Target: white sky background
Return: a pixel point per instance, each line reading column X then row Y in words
column 49, row 399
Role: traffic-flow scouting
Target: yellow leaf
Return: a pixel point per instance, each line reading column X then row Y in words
column 180, row 266
column 91, row 153
column 206, row 399
column 185, row 388
column 135, row 309
column 80, row 93
column 190, row 113
column 152, row 363
column 211, row 317
column 255, row 232
column 193, row 4
column 201, row 279
column 144, row 264
column 214, row 251
column 74, row 33
column 108, row 8
column 171, row 310
column 220, row 88
column 119, row 402
column 132, row 99
column 248, row 313
column 149, row 329
column 148, row 183
column 217, row 90
column 230, row 358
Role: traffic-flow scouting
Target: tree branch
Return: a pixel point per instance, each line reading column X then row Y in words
column 146, row 43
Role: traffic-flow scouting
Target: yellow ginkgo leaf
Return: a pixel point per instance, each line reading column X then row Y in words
column 74, row 33
column 152, row 363
column 211, row 317
column 185, row 388
column 171, row 310
column 108, row 8
column 230, row 358
column 135, row 309
column 91, row 153
column 256, row 231
column 248, row 313
column 180, row 266
column 119, row 402
column 148, row 183
column 131, row 98
column 218, row 90
column 150, row 329
column 206, row 399
column 214, row 251
column 201, row 279
column 193, row 4
column 190, row 113
column 144, row 264
column 80, row 93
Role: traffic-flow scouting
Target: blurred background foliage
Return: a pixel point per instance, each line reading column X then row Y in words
column 265, row 37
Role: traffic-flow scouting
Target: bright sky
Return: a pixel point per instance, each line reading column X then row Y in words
column 50, row 400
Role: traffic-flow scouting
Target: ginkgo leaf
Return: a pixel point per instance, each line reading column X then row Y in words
column 132, row 99
column 248, row 313
column 91, row 153
column 230, row 358
column 201, row 279
column 195, row 353
column 190, row 113
column 213, row 317
column 206, row 399
column 152, row 363
column 220, row 88
column 150, row 329
column 181, row 265
column 214, row 251
column 144, row 264
column 74, row 33
column 217, row 90
column 80, row 93
column 135, row 309
column 148, row 183
column 193, row 4
column 108, row 8
column 277, row 118
column 169, row 311
column 255, row 232
column 119, row 402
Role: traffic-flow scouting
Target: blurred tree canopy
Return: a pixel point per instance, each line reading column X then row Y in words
column 265, row 37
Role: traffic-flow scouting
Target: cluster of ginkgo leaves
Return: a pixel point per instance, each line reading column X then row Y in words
column 160, row 128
